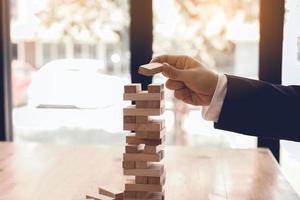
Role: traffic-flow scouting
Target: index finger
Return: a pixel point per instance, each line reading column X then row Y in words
column 174, row 60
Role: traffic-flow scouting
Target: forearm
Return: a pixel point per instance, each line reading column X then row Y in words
column 261, row 109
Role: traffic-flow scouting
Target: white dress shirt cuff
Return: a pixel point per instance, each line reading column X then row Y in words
column 213, row 110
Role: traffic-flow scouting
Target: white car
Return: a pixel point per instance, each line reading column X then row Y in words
column 71, row 101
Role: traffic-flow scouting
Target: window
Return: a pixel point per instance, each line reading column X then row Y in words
column 67, row 51
column 289, row 159
column 67, row 57
column 223, row 34
column 298, row 49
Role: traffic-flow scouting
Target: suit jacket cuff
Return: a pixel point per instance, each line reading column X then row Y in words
column 213, row 110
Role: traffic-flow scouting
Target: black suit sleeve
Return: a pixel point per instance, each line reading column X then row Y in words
column 261, row 109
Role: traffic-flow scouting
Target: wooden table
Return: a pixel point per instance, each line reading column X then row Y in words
column 48, row 172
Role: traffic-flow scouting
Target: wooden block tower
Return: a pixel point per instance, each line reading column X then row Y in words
column 145, row 143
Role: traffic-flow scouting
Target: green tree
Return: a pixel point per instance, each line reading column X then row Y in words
column 201, row 27
column 83, row 20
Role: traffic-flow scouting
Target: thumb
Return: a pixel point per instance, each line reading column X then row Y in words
column 173, row 73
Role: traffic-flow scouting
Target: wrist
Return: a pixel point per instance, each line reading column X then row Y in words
column 212, row 111
column 215, row 81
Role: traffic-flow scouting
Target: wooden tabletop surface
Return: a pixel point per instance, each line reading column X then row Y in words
column 48, row 172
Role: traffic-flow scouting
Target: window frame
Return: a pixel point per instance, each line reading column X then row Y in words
column 270, row 54
column 141, row 39
column 6, row 130
column 141, row 13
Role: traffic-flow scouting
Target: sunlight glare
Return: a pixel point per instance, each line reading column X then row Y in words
column 167, row 15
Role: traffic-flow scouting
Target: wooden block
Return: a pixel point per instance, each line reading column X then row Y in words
column 129, row 119
column 157, row 196
column 142, row 164
column 152, row 196
column 130, row 179
column 129, row 127
column 153, row 149
column 157, row 180
column 155, row 135
column 94, row 196
column 134, row 148
column 155, row 142
column 133, row 111
column 110, row 192
column 150, row 69
column 128, row 165
column 143, row 187
column 133, row 88
column 142, row 195
column 155, row 88
column 143, row 96
column 143, row 157
column 153, row 125
column 141, row 119
column 150, row 104
column 142, row 179
column 129, row 194
column 155, row 170
column 133, row 140
column 154, row 180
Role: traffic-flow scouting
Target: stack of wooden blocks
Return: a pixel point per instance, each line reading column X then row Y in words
column 144, row 144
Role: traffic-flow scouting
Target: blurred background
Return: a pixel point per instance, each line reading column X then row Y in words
column 71, row 59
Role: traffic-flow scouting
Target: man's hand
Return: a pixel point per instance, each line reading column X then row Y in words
column 191, row 81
